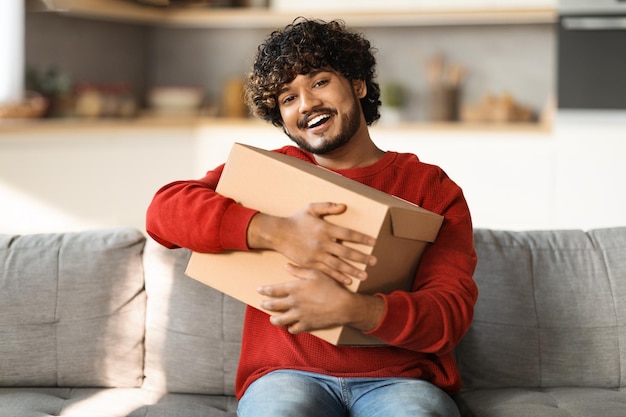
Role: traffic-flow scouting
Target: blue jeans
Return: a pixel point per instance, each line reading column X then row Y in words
column 289, row 393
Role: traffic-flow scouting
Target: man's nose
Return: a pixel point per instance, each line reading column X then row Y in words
column 308, row 101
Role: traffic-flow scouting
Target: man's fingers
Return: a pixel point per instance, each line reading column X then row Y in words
column 348, row 253
column 275, row 290
column 334, row 272
column 326, row 209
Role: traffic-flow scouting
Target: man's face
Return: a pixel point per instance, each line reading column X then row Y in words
column 321, row 110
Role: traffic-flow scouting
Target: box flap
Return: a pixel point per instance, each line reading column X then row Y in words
column 325, row 174
column 405, row 224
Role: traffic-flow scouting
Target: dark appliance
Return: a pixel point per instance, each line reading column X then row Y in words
column 591, row 61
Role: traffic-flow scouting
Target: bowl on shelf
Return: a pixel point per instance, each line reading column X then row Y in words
column 176, row 100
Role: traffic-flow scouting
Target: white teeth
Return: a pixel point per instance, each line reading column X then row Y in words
column 317, row 119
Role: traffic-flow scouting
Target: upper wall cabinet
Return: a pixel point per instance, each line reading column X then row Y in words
column 368, row 13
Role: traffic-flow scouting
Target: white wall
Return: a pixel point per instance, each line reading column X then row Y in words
column 73, row 179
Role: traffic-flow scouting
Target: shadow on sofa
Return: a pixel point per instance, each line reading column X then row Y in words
column 100, row 323
column 193, row 336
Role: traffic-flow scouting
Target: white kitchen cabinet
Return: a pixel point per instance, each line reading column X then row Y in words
column 590, row 178
column 70, row 179
column 512, row 179
column 507, row 175
column 102, row 175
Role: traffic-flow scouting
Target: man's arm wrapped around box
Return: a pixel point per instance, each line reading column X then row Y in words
column 194, row 214
column 190, row 214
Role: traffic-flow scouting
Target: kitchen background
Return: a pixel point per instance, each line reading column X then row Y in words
column 498, row 59
column 521, row 165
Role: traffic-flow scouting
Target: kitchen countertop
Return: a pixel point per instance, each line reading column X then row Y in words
column 24, row 126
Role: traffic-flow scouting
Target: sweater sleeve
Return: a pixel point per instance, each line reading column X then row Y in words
column 190, row 214
column 435, row 315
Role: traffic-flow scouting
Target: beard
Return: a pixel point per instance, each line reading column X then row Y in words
column 350, row 122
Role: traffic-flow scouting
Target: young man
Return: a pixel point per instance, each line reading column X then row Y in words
column 315, row 80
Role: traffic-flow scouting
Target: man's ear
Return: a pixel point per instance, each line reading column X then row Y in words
column 360, row 88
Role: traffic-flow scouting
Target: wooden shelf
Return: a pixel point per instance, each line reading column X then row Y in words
column 131, row 12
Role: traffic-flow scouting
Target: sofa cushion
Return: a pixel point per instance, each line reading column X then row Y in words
column 550, row 402
column 551, row 310
column 109, row 402
column 73, row 402
column 189, row 405
column 72, row 309
column 193, row 332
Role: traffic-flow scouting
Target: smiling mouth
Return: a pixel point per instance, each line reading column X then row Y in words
column 318, row 120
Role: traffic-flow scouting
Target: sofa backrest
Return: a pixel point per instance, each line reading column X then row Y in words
column 73, row 312
column 193, row 332
column 551, row 310
column 72, row 309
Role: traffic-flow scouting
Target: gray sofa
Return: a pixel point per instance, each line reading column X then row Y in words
column 104, row 323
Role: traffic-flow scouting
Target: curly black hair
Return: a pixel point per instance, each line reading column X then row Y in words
column 304, row 46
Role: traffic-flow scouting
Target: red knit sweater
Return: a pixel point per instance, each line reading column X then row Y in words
column 421, row 327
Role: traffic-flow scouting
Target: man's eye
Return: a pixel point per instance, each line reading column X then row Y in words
column 320, row 83
column 286, row 99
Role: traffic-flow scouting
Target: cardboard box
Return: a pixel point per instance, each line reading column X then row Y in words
column 281, row 185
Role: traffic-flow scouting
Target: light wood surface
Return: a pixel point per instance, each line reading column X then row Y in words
column 129, row 11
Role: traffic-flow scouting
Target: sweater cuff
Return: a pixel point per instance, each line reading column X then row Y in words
column 234, row 229
column 391, row 323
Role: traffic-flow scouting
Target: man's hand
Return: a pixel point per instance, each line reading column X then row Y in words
column 308, row 240
column 315, row 301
